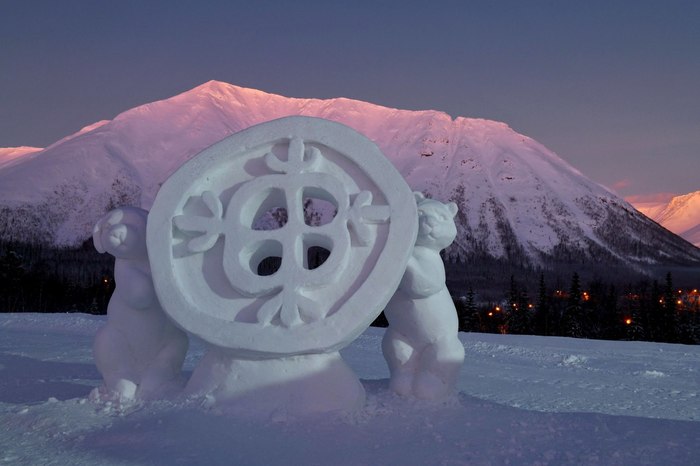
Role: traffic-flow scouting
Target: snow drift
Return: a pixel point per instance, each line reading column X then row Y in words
column 523, row 400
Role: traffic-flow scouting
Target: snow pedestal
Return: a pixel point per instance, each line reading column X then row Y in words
column 304, row 384
column 278, row 246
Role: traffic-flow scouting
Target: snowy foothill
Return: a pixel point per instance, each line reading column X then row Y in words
column 522, row 400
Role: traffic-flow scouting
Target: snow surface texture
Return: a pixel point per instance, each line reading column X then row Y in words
column 421, row 345
column 276, row 336
column 522, row 400
column 681, row 215
column 517, row 200
column 139, row 352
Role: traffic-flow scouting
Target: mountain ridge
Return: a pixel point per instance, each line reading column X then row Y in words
column 518, row 200
column 680, row 214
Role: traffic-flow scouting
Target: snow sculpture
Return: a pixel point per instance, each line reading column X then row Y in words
column 139, row 352
column 275, row 319
column 421, row 345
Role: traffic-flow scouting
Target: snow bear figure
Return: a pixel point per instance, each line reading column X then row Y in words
column 139, row 352
column 421, row 345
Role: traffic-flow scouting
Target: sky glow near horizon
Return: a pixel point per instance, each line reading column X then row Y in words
column 611, row 86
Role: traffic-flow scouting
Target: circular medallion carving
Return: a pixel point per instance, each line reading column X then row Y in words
column 286, row 238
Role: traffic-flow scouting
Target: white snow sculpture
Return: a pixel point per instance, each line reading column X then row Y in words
column 275, row 334
column 421, row 345
column 139, row 352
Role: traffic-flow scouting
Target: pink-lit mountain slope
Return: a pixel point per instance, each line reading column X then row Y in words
column 517, row 200
column 12, row 155
column 681, row 215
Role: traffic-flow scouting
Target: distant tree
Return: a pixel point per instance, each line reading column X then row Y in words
column 518, row 311
column 594, row 304
column 655, row 324
column 311, row 216
column 542, row 309
column 12, row 273
column 630, row 317
column 611, row 321
column 493, row 321
column 573, row 319
column 668, row 323
column 469, row 319
column 281, row 216
column 687, row 330
column 637, row 330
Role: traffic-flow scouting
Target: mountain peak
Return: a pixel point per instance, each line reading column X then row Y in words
column 12, row 155
column 215, row 88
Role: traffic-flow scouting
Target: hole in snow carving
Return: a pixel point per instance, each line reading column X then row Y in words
column 316, row 256
column 269, row 265
column 272, row 219
column 265, row 210
column 317, row 249
column 320, row 207
column 263, row 258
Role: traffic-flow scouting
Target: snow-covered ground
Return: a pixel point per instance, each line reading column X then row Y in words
column 522, row 400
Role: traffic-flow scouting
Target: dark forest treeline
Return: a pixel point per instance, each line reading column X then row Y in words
column 35, row 278
column 490, row 297
column 648, row 311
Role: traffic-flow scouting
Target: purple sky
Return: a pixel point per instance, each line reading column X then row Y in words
column 612, row 86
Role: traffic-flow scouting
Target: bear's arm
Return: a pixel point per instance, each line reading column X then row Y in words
column 422, row 279
column 135, row 287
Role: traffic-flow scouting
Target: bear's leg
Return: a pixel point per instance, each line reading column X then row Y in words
column 438, row 368
column 163, row 377
column 115, row 362
column 402, row 360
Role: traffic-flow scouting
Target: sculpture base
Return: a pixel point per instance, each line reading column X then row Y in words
column 297, row 385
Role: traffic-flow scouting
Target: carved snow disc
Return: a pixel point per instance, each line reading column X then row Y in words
column 235, row 236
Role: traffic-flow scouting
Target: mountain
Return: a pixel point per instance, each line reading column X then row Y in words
column 518, row 200
column 680, row 214
column 12, row 155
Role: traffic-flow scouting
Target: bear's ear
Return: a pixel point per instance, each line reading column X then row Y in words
column 108, row 220
column 452, row 207
column 419, row 196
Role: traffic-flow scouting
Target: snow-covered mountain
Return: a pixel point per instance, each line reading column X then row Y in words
column 681, row 215
column 517, row 199
column 12, row 155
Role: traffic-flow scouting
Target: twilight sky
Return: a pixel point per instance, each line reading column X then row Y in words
column 612, row 86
